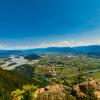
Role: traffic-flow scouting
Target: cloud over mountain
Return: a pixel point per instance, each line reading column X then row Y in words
column 50, row 44
column 69, row 44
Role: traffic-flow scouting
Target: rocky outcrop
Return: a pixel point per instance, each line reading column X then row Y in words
column 53, row 92
column 79, row 89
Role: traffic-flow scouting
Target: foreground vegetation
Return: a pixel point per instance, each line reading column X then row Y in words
column 8, row 82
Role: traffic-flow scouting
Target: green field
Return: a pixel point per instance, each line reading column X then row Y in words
column 96, row 74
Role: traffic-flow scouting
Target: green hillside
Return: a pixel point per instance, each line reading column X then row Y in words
column 8, row 82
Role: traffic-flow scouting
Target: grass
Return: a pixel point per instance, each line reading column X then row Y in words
column 96, row 74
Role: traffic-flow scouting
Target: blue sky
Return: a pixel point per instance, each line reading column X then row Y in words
column 38, row 23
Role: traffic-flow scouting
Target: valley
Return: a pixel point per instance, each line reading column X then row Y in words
column 40, row 71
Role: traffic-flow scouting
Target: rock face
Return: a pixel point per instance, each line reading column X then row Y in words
column 50, row 92
column 53, row 92
column 89, row 90
column 93, row 84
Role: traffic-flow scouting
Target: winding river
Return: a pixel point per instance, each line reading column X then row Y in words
column 15, row 61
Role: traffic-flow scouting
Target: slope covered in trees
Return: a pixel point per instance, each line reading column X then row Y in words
column 9, row 80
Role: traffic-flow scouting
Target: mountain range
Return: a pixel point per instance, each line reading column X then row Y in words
column 88, row 50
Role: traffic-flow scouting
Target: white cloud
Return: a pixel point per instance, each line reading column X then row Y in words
column 50, row 44
column 7, row 47
column 69, row 44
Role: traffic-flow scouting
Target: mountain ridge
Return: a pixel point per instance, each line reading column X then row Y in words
column 91, row 50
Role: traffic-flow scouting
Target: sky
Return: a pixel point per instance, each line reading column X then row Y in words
column 43, row 23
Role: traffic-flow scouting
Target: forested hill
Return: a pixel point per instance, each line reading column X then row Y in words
column 9, row 80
